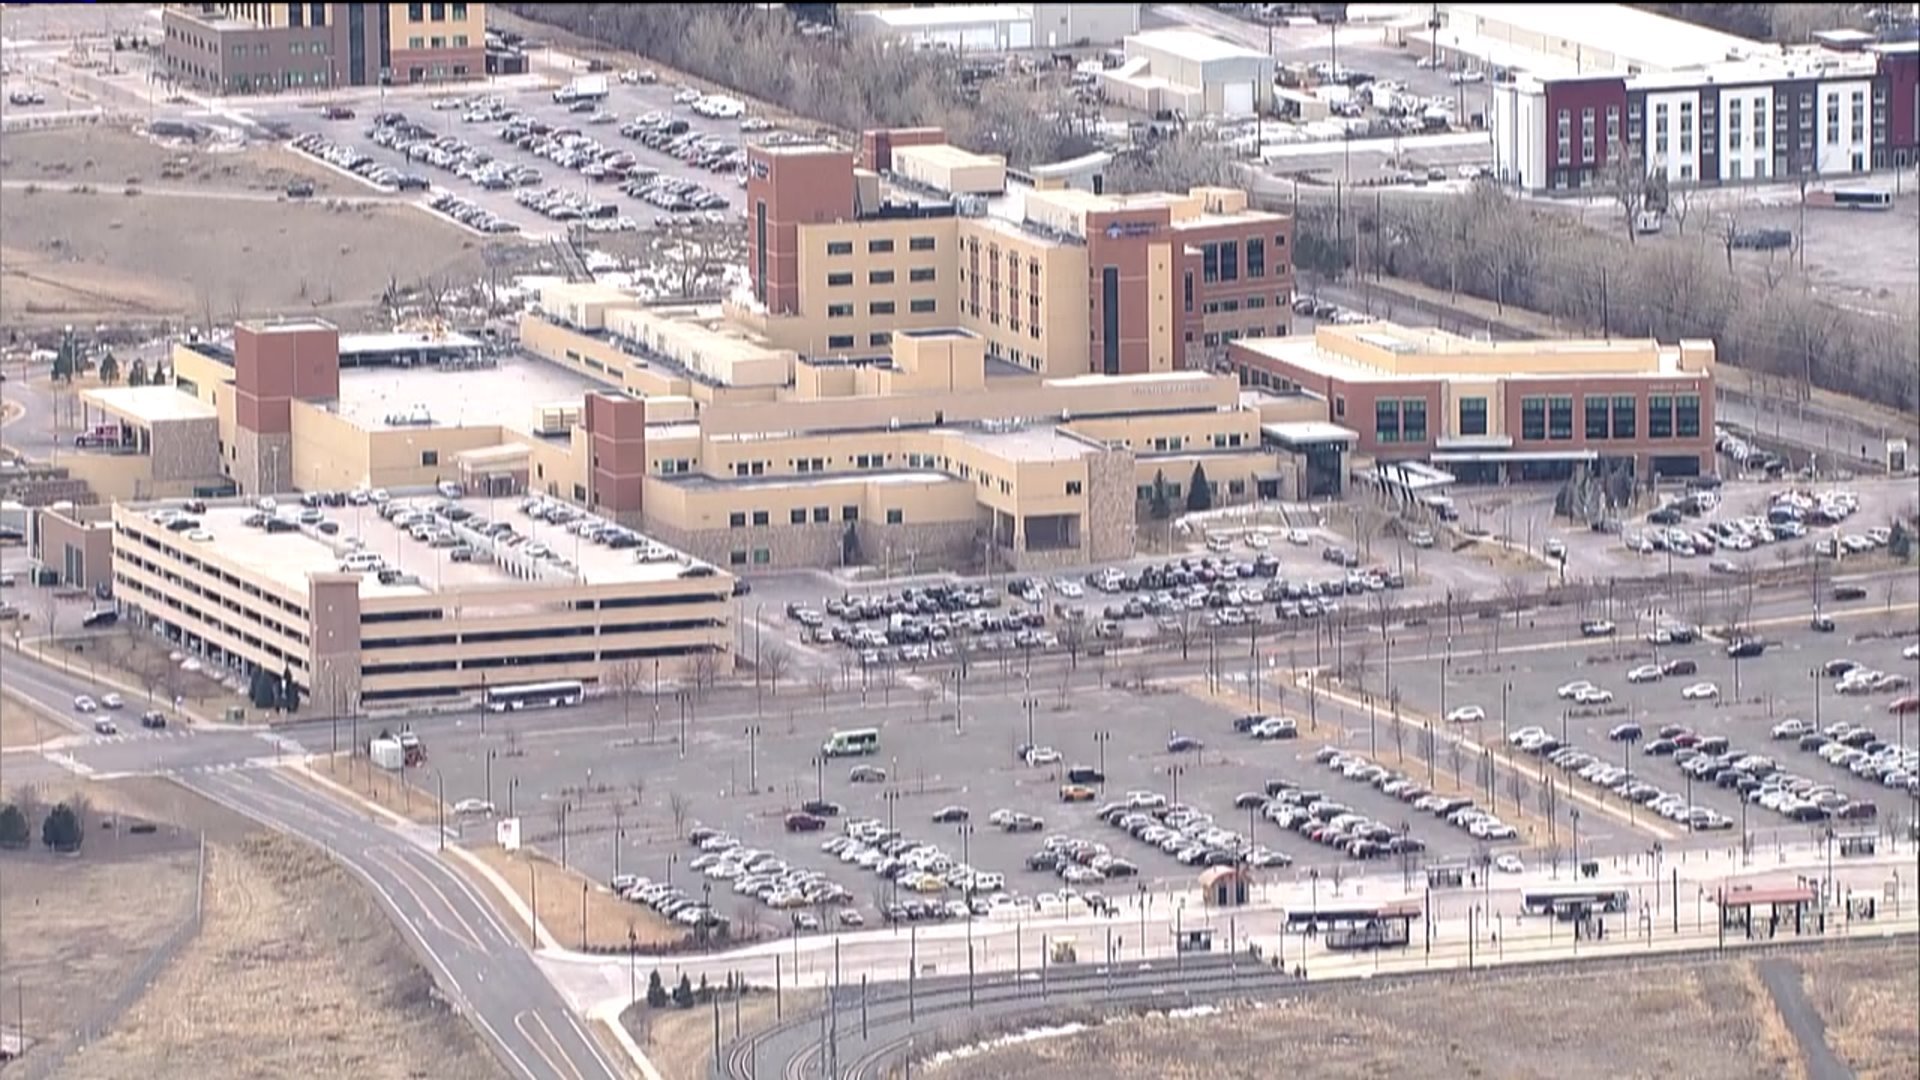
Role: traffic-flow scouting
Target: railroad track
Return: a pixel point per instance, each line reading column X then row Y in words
column 896, row 1024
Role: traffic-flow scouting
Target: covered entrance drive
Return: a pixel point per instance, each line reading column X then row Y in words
column 1494, row 466
column 1317, row 452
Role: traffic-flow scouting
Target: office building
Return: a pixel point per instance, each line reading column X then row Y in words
column 1490, row 411
column 262, row 48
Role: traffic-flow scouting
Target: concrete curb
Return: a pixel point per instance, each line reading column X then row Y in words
column 608, row 1013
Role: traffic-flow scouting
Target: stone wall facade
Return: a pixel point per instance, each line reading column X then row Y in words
column 262, row 463
column 1107, row 534
column 920, row 548
column 186, row 450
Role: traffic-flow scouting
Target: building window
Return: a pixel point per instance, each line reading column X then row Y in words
column 922, row 307
column 840, row 341
column 762, row 556
column 849, row 513
column 1596, row 417
column 1073, row 487
column 879, row 247
column 736, row 558
column 920, row 243
column 880, row 338
column 1229, row 260
column 880, row 307
column 1386, row 420
column 1686, row 416
column 840, row 247
column 920, row 274
column 821, row 516
column 1188, row 279
column 459, row 13
column 416, row 12
column 1210, row 263
column 429, row 457
column 839, row 311
column 1256, row 257
column 879, row 277
column 1533, row 418
column 797, row 517
column 840, row 279
column 1623, row 418
column 1473, row 416
column 895, row 517
column 1660, row 416
column 1339, row 406
column 737, row 519
column 1560, row 418
column 1413, row 421
column 416, row 43
column 760, row 517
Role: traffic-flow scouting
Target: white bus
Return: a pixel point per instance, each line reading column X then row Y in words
column 544, row 695
column 855, row 743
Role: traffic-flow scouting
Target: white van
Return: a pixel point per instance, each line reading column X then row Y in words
column 450, row 490
column 361, row 562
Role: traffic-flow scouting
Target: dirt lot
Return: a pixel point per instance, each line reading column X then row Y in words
column 679, row 1042
column 295, row 973
column 107, row 255
column 1868, row 999
column 72, row 931
column 1703, row 1020
column 608, row 918
column 115, row 157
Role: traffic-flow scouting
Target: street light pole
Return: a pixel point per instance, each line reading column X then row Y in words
column 753, row 759
column 1100, row 739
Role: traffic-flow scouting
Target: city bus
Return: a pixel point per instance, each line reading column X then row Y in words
column 1546, row 902
column 544, row 695
column 853, row 743
column 1851, row 199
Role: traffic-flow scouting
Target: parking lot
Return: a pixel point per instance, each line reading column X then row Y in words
column 1711, row 734
column 544, row 165
column 1212, row 793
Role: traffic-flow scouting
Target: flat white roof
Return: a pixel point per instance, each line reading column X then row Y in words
column 947, row 15
column 1038, row 443
column 504, row 396
column 1305, row 352
column 149, row 404
column 1653, row 41
column 1194, row 45
column 402, row 341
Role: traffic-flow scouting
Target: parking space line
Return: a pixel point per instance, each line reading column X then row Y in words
column 1501, row 758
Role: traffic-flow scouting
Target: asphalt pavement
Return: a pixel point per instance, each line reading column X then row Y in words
column 1785, row 983
column 475, row 959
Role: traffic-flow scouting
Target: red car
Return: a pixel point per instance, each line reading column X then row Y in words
column 1904, row 706
column 805, row 823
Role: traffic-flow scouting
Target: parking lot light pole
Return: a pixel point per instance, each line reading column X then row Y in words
column 490, row 756
column 672, row 858
column 1814, row 674
column 1176, row 771
column 819, row 776
column 1573, row 812
column 1100, row 739
column 753, row 759
column 1506, row 688
column 513, row 785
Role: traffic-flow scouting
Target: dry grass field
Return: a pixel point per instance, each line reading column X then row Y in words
column 380, row 787
column 1703, row 1021
column 209, row 236
column 73, row 930
column 21, row 725
column 679, row 1042
column 1869, row 1000
column 295, row 973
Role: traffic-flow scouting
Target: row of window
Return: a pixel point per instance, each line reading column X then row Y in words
column 163, row 607
column 800, row 515
column 1221, row 261
column 1144, row 492
column 842, row 278
column 435, row 12
column 1250, row 303
column 1668, row 416
column 924, row 306
column 459, row 42
column 1400, row 420
column 1214, row 340
column 881, row 246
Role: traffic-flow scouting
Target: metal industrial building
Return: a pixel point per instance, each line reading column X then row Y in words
column 999, row 27
column 1189, row 72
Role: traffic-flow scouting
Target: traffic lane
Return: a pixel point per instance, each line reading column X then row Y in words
column 456, row 931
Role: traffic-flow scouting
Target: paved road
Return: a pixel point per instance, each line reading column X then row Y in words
column 1784, row 980
column 475, row 959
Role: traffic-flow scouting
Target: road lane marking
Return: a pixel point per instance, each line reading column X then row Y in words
column 519, row 1021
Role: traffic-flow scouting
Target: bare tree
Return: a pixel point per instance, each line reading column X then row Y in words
column 822, row 684
column 1679, row 205
column 706, row 671
column 639, row 786
column 1073, row 636
column 774, row 660
column 1729, row 236
column 679, row 805
column 928, row 695
column 1514, row 589
column 624, row 678
column 888, row 676
column 1627, row 181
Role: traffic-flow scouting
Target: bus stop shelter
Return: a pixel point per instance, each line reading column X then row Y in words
column 1759, row 913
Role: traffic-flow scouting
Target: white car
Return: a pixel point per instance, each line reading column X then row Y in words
column 1467, row 714
column 1646, row 673
column 1043, row 755
column 1298, row 538
column 474, row 806
column 1702, row 691
column 1593, row 695
column 1911, row 652
column 112, row 701
column 83, row 703
column 1508, row 864
column 1421, row 539
column 1573, row 689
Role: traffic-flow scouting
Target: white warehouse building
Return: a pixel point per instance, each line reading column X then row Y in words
column 999, row 27
column 1189, row 72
